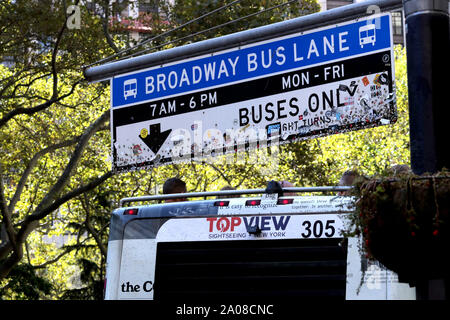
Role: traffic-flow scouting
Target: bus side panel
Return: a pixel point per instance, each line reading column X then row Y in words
column 378, row 283
column 400, row 291
column 112, row 269
column 137, row 269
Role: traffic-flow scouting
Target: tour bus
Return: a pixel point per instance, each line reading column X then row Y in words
column 243, row 244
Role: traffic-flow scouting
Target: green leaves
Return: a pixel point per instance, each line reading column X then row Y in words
column 24, row 283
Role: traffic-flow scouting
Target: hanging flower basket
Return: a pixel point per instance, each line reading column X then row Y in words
column 404, row 224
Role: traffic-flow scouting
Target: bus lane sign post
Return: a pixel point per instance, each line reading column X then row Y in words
column 299, row 86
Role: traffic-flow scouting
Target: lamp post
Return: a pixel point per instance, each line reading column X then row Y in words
column 427, row 48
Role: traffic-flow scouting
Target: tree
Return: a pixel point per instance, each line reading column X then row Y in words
column 26, row 284
column 48, row 117
column 54, row 152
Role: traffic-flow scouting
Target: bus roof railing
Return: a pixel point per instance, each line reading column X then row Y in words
column 231, row 193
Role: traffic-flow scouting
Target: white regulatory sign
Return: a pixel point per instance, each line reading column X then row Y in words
column 325, row 81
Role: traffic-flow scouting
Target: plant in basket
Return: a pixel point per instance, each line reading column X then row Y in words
column 402, row 221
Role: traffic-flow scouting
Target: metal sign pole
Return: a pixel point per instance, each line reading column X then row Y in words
column 427, row 46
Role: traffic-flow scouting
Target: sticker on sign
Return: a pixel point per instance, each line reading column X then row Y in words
column 325, row 81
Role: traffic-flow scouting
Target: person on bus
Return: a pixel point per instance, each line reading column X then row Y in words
column 287, row 184
column 228, row 196
column 400, row 169
column 174, row 185
column 347, row 179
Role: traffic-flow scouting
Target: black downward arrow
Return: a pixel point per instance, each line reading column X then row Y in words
column 155, row 138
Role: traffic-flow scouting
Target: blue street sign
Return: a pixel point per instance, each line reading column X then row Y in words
column 241, row 64
column 325, row 81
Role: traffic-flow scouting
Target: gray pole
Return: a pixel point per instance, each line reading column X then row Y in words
column 303, row 23
column 427, row 47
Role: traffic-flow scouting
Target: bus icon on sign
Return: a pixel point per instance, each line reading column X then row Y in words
column 367, row 35
column 130, row 88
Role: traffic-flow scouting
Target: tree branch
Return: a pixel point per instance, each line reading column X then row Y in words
column 40, row 107
column 70, row 195
column 48, row 204
column 90, row 228
column 64, row 178
column 6, row 214
column 32, row 164
column 109, row 40
column 48, row 262
column 55, row 97
column 11, row 80
column 30, row 224
column 220, row 172
column 12, row 243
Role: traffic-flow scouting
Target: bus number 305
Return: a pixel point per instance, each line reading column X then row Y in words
column 317, row 229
